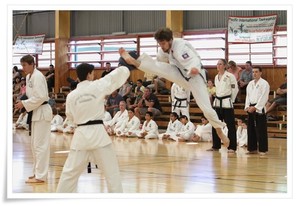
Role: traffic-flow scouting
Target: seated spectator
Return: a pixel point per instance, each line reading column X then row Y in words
column 241, row 133
column 149, row 129
column 150, row 103
column 51, row 100
column 73, row 83
column 186, row 132
column 57, row 120
column 137, row 89
column 50, row 77
column 203, row 132
column 16, row 73
column 148, row 79
column 16, row 88
column 138, row 96
column 67, row 127
column 117, row 119
column 158, row 84
column 21, row 123
column 173, row 128
column 280, row 99
column 211, row 90
column 125, row 90
column 112, row 103
column 129, row 125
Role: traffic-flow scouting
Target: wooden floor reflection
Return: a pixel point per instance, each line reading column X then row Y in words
column 153, row 166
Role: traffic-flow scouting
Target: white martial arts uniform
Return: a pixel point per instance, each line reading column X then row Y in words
column 241, row 136
column 21, row 123
column 172, row 129
column 226, row 86
column 107, row 116
column 66, row 127
column 128, row 125
column 150, row 127
column 116, row 121
column 56, row 122
column 37, row 93
column 186, row 131
column 182, row 58
column 180, row 100
column 91, row 142
column 204, row 131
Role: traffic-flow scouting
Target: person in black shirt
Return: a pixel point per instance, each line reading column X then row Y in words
column 107, row 70
column 148, row 102
column 50, row 78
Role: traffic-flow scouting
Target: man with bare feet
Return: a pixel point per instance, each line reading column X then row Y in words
column 183, row 68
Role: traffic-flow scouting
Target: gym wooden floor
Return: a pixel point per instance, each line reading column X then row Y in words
column 153, row 166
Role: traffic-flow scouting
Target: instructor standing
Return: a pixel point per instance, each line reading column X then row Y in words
column 85, row 108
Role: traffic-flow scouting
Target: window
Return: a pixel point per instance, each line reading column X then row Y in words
column 210, row 47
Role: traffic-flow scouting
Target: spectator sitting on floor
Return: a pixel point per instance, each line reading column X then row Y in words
column 173, row 128
column 56, row 120
column 149, row 129
column 117, row 119
column 129, row 125
column 21, row 123
column 186, row 132
column 203, row 132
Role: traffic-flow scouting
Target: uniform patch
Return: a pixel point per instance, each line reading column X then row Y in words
column 232, row 86
column 185, row 55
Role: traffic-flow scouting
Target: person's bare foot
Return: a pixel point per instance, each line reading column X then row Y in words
column 223, row 137
column 125, row 55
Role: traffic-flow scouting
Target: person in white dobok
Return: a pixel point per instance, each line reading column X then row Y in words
column 241, row 133
column 173, row 128
column 67, row 127
column 186, row 132
column 203, row 132
column 149, row 129
column 180, row 100
column 56, row 121
column 112, row 125
column 21, row 123
column 129, row 125
column 184, row 68
column 90, row 142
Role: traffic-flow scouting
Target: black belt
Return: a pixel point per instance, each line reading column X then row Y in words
column 263, row 110
column 178, row 102
column 29, row 118
column 221, row 100
column 91, row 122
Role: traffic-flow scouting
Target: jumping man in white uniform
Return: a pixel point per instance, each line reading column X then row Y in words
column 184, row 69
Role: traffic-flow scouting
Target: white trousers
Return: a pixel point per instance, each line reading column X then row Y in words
column 196, row 85
column 40, row 147
column 77, row 161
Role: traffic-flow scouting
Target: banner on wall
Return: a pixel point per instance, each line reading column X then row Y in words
column 29, row 44
column 251, row 29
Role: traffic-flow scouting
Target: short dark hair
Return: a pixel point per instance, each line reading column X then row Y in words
column 174, row 114
column 51, row 65
column 258, row 67
column 249, row 62
column 163, row 34
column 83, row 70
column 184, row 117
column 150, row 114
column 28, row 59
